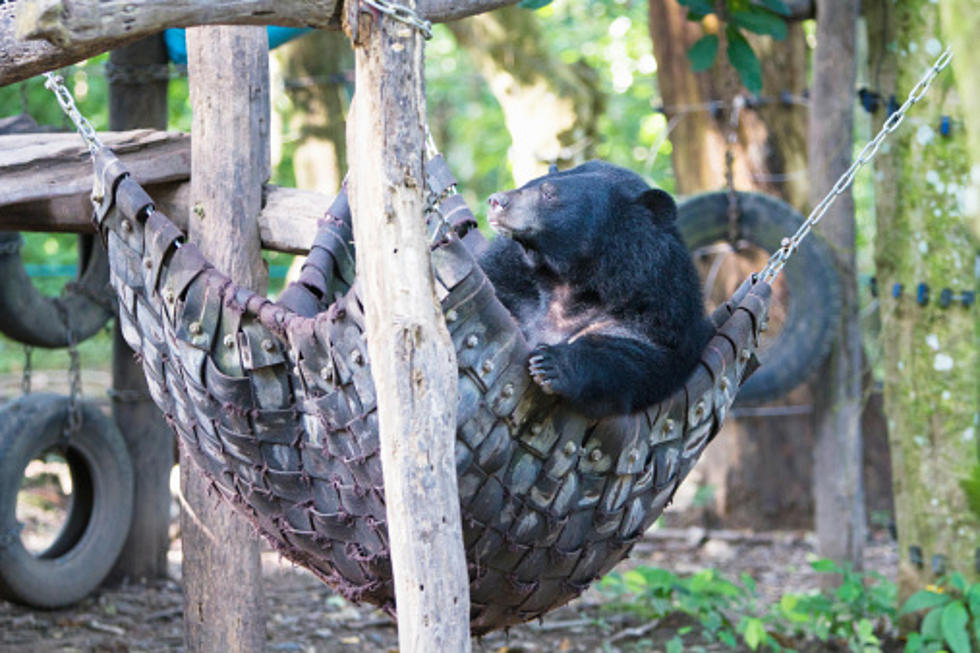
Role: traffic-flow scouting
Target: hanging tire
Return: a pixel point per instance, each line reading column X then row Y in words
column 100, row 510
column 34, row 319
column 811, row 282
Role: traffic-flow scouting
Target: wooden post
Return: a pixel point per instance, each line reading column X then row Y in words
column 838, row 490
column 224, row 608
column 134, row 104
column 412, row 358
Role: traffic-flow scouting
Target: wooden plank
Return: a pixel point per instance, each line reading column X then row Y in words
column 85, row 28
column 41, row 167
column 224, row 606
column 412, row 358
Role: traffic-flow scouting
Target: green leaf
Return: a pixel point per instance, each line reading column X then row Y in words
column 914, row 643
column 825, row 566
column 922, row 600
column 956, row 580
column 675, row 645
column 776, row 6
column 727, row 638
column 755, row 632
column 761, row 21
column 700, row 7
column 702, row 53
column 533, row 4
column 954, row 627
column 932, row 625
column 744, row 60
column 971, row 487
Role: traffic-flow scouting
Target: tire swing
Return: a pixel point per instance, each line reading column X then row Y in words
column 812, row 286
column 278, row 408
column 98, row 517
column 33, row 319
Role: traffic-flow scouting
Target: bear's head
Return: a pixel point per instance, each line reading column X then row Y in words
column 565, row 216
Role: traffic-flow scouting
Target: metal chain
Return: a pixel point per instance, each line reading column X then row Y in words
column 730, row 141
column 789, row 245
column 56, row 84
column 402, row 13
column 25, row 378
column 139, row 74
column 74, row 422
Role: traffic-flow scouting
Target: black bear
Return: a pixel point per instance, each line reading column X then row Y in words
column 604, row 289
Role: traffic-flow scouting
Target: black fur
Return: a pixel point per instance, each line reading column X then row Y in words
column 597, row 275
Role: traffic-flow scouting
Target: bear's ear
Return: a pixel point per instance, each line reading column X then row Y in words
column 660, row 203
column 552, row 169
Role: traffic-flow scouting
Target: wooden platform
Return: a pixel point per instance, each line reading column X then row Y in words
column 46, row 180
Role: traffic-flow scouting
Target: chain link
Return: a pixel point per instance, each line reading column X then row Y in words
column 789, row 245
column 56, row 84
column 402, row 13
column 731, row 140
column 25, row 378
column 74, row 422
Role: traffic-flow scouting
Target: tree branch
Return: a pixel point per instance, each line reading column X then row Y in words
column 49, row 34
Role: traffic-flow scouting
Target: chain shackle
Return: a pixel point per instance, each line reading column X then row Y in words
column 403, row 14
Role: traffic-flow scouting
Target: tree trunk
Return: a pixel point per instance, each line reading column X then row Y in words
column 314, row 70
column 224, row 607
column 961, row 24
column 413, row 360
column 931, row 361
column 757, row 467
column 149, row 440
column 838, row 491
column 550, row 107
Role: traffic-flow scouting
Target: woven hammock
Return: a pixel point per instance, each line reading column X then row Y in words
column 276, row 404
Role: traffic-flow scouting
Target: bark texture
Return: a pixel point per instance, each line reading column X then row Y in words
column 931, row 360
column 838, row 490
column 412, row 357
column 550, row 107
column 149, row 440
column 224, row 607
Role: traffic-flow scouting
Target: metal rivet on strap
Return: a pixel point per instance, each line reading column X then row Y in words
column 148, row 263
column 570, row 448
column 472, row 340
column 595, row 455
column 723, row 384
column 326, row 373
column 487, row 366
column 357, row 357
column 268, row 345
column 229, row 341
column 633, row 456
column 507, row 391
column 168, row 296
column 126, row 226
column 451, row 315
column 744, row 355
column 194, row 328
column 667, row 426
column 535, row 429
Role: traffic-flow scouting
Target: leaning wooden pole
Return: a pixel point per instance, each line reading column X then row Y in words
column 838, row 489
column 412, row 357
column 224, row 609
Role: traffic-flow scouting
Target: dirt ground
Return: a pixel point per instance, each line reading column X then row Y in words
column 304, row 615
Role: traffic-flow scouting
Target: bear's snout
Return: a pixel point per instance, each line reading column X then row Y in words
column 498, row 201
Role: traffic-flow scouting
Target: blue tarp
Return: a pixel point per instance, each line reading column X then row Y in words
column 177, row 41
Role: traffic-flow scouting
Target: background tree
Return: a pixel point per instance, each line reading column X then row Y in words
column 931, row 361
column 553, row 106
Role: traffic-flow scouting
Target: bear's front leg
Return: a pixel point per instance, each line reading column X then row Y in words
column 603, row 375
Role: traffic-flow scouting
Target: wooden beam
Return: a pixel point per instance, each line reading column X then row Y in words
column 76, row 30
column 46, row 180
column 413, row 362
column 224, row 606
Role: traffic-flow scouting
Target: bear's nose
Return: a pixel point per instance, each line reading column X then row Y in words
column 498, row 201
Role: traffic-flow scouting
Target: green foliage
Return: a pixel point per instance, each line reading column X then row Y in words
column 850, row 616
column 952, row 616
column 739, row 16
column 533, row 4
column 971, row 487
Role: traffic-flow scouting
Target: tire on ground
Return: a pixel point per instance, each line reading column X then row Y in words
column 813, row 285
column 101, row 505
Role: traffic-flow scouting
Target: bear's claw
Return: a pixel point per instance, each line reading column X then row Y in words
column 543, row 367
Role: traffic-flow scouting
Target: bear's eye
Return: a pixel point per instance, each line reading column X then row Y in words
column 548, row 191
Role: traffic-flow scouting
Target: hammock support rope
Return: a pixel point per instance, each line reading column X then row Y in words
column 278, row 409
